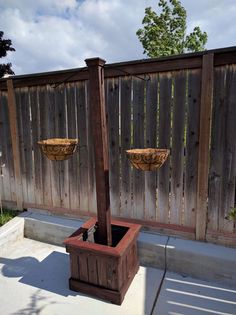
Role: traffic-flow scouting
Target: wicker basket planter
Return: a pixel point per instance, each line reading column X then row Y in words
column 58, row 149
column 147, row 159
column 103, row 271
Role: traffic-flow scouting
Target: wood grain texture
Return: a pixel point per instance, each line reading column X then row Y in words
column 138, row 142
column 151, row 142
column 165, row 100
column 177, row 149
column 204, row 141
column 192, row 144
column 15, row 142
column 112, row 105
column 125, row 188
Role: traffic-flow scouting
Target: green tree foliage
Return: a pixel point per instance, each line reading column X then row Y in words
column 5, row 46
column 165, row 34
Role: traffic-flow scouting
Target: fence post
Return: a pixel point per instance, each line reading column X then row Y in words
column 99, row 131
column 204, row 144
column 15, row 143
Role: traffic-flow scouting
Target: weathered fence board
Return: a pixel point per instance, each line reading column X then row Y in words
column 177, row 153
column 125, row 189
column 138, row 142
column 151, row 142
column 112, row 105
column 229, row 153
column 217, row 148
column 37, row 155
column 192, row 142
column 164, row 142
column 73, row 162
column 151, row 104
column 84, row 191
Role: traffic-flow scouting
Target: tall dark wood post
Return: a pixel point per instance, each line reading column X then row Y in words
column 99, row 131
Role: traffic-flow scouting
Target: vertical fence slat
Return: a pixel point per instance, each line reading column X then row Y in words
column 191, row 153
column 82, row 119
column 125, row 189
column 45, row 134
column 63, row 133
column 138, row 136
column 151, row 142
column 217, row 148
column 177, row 153
column 204, row 142
column 112, row 100
column 229, row 154
column 92, row 201
column 37, row 155
column 164, row 142
column 15, row 142
column 4, row 159
column 73, row 162
column 27, row 145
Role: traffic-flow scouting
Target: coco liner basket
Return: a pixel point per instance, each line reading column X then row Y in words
column 58, row 149
column 147, row 159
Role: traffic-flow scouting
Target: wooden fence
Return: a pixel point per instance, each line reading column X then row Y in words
column 168, row 103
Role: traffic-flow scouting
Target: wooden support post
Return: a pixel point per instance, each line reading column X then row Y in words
column 15, row 143
column 99, row 130
column 204, row 144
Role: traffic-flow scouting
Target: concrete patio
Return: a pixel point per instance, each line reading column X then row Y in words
column 34, row 280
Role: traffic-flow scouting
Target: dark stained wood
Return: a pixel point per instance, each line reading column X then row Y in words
column 204, row 141
column 165, row 101
column 192, row 143
column 15, row 142
column 125, row 184
column 177, row 148
column 99, row 127
column 138, row 142
column 107, row 271
column 112, row 105
column 151, row 142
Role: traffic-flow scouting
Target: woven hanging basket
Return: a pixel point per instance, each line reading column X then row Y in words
column 58, row 149
column 147, row 159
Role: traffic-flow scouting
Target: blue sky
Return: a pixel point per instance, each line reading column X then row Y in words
column 59, row 34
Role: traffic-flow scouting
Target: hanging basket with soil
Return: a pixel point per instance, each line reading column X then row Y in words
column 58, row 149
column 149, row 159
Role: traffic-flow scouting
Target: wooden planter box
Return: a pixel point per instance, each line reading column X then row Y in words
column 103, row 271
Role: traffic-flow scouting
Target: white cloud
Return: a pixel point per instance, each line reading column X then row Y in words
column 52, row 35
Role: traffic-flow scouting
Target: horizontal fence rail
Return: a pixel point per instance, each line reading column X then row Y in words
column 151, row 103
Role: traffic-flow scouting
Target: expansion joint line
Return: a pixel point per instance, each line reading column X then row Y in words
column 162, row 279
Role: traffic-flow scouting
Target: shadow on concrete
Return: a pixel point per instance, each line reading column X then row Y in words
column 51, row 274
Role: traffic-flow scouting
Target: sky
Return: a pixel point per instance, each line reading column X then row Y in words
column 53, row 35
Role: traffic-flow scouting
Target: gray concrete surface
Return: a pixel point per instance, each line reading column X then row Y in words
column 197, row 259
column 34, row 280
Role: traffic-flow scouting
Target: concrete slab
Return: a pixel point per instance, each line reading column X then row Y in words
column 187, row 296
column 35, row 275
column 10, row 233
column 202, row 260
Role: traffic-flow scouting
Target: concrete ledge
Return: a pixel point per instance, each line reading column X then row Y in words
column 202, row 260
column 49, row 229
column 11, row 232
column 151, row 249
